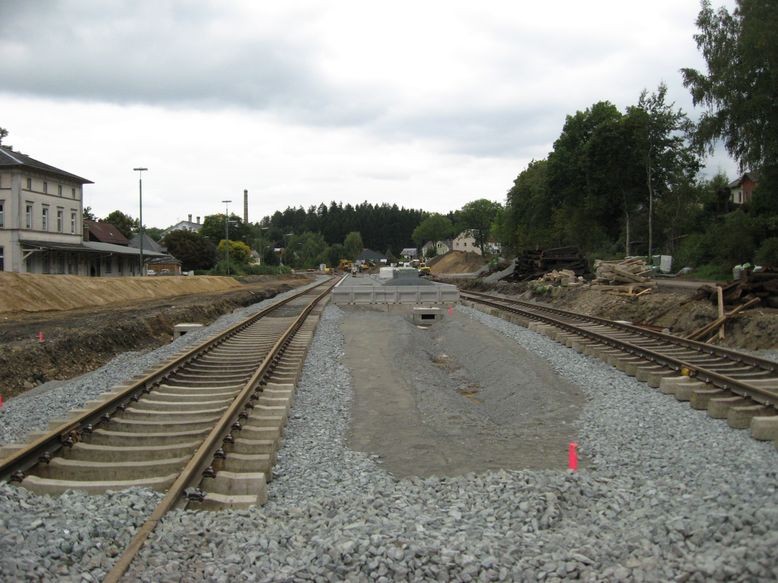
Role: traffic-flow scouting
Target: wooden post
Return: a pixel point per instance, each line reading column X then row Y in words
column 720, row 294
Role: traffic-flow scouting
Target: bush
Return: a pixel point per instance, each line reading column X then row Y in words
column 767, row 254
column 694, row 251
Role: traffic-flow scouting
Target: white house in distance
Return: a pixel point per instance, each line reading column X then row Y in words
column 465, row 242
column 41, row 227
column 187, row 225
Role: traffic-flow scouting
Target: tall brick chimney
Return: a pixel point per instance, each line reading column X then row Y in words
column 246, row 207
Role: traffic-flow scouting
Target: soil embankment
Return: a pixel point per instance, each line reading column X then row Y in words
column 455, row 262
column 670, row 308
column 79, row 340
column 26, row 292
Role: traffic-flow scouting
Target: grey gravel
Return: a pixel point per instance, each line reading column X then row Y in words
column 665, row 494
column 31, row 411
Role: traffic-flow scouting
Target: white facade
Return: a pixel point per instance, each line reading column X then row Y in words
column 38, row 207
column 466, row 242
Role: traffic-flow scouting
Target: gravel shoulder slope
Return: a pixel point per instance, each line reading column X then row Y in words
column 453, row 398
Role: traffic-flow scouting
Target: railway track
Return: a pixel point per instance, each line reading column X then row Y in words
column 730, row 385
column 204, row 427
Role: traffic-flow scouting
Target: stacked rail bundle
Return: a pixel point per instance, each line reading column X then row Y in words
column 534, row 263
column 627, row 276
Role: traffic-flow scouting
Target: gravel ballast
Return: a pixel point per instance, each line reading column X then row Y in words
column 666, row 493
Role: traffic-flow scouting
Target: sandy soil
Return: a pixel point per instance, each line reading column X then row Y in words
column 456, row 262
column 77, row 341
column 453, row 398
column 26, row 292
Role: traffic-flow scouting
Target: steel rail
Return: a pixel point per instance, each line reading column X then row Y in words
column 737, row 386
column 203, row 457
column 13, row 467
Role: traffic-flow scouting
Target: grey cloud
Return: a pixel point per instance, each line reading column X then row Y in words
column 498, row 132
column 175, row 53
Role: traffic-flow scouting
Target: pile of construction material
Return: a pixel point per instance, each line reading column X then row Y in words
column 562, row 277
column 761, row 285
column 629, row 276
column 534, row 263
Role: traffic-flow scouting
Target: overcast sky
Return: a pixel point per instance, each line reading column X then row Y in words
column 424, row 104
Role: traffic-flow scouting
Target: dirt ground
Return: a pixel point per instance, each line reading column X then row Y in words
column 453, row 398
column 79, row 340
column 456, row 262
column 27, row 292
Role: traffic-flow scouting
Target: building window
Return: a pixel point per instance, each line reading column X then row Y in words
column 2, row 214
column 29, row 183
column 45, row 187
column 60, row 220
column 73, row 192
column 72, row 221
column 28, row 215
column 2, row 260
column 59, row 189
column 45, row 218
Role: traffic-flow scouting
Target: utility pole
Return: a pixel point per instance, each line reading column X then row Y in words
column 227, row 233
column 140, row 172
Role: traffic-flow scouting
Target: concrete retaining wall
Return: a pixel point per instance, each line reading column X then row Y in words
column 409, row 294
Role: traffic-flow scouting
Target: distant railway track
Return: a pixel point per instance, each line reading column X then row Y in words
column 203, row 427
column 731, row 385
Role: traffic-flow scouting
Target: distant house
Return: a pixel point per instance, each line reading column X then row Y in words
column 427, row 248
column 165, row 264
column 370, row 255
column 444, row 246
column 409, row 253
column 466, row 242
column 187, row 225
column 114, row 256
column 742, row 189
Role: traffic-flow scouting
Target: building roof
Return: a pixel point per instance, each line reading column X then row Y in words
column 105, row 233
column 148, row 243
column 183, row 226
column 88, row 247
column 409, row 252
column 11, row 159
column 752, row 176
column 370, row 255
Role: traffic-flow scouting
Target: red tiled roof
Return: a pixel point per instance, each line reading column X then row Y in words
column 104, row 233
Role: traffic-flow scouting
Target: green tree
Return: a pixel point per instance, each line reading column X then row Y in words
column 87, row 214
column 667, row 159
column 239, row 252
column 193, row 250
column 3, row 134
column 478, row 216
column 434, row 228
column 740, row 87
column 213, row 229
column 306, row 250
column 125, row 223
column 353, row 245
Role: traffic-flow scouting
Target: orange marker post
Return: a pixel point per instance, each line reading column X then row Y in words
column 451, row 310
column 572, row 456
column 41, row 337
column 1, row 402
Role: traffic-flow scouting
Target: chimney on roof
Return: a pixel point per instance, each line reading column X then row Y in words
column 190, row 218
column 246, row 206
column 198, row 220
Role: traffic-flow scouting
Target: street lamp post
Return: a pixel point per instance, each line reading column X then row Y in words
column 227, row 233
column 140, row 172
